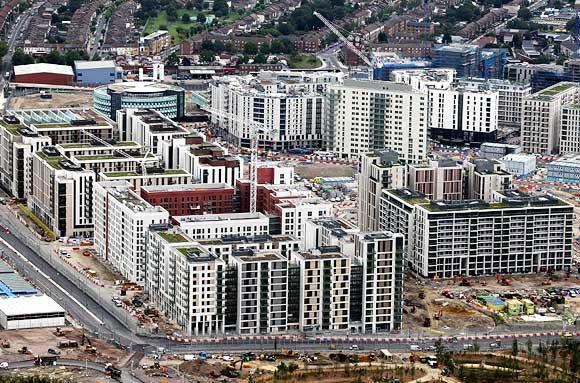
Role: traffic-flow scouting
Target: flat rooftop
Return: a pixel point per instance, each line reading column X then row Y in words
column 72, row 118
column 410, row 196
column 129, row 174
column 555, row 89
column 267, row 255
column 27, row 305
column 241, row 239
column 184, row 187
column 220, row 217
column 97, row 146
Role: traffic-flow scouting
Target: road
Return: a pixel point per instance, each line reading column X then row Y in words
column 329, row 58
column 95, row 46
column 126, row 376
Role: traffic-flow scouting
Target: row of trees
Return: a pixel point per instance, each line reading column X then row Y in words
column 54, row 57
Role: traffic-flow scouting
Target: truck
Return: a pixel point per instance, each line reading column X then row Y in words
column 46, row 360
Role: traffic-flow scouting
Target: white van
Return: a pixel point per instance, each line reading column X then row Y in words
column 415, row 347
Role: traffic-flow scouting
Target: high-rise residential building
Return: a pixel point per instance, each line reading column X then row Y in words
column 378, row 170
column 465, row 59
column 378, row 295
column 122, row 220
column 185, row 281
column 290, row 106
column 325, row 292
column 261, row 293
column 542, row 117
column 441, row 179
column 330, row 231
column 564, row 170
column 516, row 234
column 540, row 76
column 425, row 79
column 61, row 193
column 362, row 116
column 570, row 129
column 148, row 127
column 226, row 246
column 510, row 97
column 149, row 177
column 484, row 177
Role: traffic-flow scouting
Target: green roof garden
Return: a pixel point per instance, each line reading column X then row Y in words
column 53, row 161
column 411, row 197
column 104, row 157
column 173, row 237
column 191, row 250
column 12, row 128
column 556, row 89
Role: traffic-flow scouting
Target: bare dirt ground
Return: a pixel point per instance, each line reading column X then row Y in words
column 39, row 340
column 324, row 170
column 458, row 315
column 59, row 100
column 65, row 374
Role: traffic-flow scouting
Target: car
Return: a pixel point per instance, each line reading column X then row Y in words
column 52, row 351
column 118, row 304
column 494, row 345
column 115, row 298
column 432, row 348
column 415, row 347
column 4, row 365
column 354, row 347
column 573, row 294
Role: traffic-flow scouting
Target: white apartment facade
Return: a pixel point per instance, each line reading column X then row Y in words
column 122, row 220
column 325, row 292
column 484, row 178
column 292, row 112
column 542, row 118
column 362, row 116
column 61, row 194
column 215, row 226
column 381, row 256
column 294, row 213
column 441, row 179
column 152, row 177
column 184, row 281
column 570, row 129
column 378, row 170
column 518, row 234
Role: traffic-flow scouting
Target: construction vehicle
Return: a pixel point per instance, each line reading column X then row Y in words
column 68, row 344
column 5, row 344
column 112, row 371
column 506, row 281
column 465, row 282
column 48, row 360
column 546, row 282
column 89, row 345
column 421, row 295
column 427, row 322
column 24, row 350
column 58, row 332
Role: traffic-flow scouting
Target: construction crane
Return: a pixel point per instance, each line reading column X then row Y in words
column 345, row 40
column 255, row 128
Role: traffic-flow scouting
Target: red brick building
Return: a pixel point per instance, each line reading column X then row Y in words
column 268, row 196
column 50, row 74
column 193, row 199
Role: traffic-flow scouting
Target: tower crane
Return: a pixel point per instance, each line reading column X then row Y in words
column 255, row 128
column 341, row 37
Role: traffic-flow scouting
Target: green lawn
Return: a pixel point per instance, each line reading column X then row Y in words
column 154, row 23
column 304, row 62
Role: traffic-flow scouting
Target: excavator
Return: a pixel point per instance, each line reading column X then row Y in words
column 89, row 345
column 231, row 372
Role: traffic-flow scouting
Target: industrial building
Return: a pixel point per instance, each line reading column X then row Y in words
column 95, row 72
column 48, row 74
column 31, row 311
column 167, row 99
column 564, row 170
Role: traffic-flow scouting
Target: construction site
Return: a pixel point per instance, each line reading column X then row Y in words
column 56, row 100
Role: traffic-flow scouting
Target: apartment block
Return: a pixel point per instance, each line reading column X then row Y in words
column 149, row 177
column 330, row 232
column 226, row 246
column 378, row 170
column 510, row 97
column 496, row 150
column 564, row 170
column 122, row 220
column 148, row 127
column 61, row 194
column 542, row 118
column 325, row 292
column 362, row 116
column 517, row 234
column 214, row 226
column 207, row 162
column 191, row 199
column 154, row 43
column 441, row 179
column 185, row 281
column 292, row 107
column 261, row 286
column 484, row 177
column 570, row 129
column 379, row 293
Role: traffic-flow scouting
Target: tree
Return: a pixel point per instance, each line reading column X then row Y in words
column 220, row 8
column 446, row 38
column 3, row 48
column 525, row 14
column 54, row 57
column 383, row 38
column 259, row 59
column 173, row 59
column 71, row 56
column 515, row 349
column 250, row 48
column 206, row 56
column 476, row 346
column 529, row 346
column 265, row 49
column 201, row 18
column 185, row 18
column 185, row 61
column 21, row 58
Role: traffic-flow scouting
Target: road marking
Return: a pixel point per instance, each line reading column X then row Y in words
column 50, row 280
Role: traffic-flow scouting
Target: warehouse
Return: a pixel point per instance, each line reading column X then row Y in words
column 50, row 74
column 95, row 72
column 30, row 312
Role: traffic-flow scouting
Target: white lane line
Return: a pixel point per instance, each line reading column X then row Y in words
column 51, row 281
